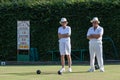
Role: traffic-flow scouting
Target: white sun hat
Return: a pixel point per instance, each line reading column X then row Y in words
column 95, row 19
column 63, row 20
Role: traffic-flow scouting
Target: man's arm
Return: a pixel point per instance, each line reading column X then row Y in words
column 59, row 36
column 63, row 35
column 89, row 37
column 95, row 36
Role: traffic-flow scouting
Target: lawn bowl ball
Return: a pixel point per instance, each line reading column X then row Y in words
column 38, row 72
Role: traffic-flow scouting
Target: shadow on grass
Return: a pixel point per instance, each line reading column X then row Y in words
column 31, row 73
column 77, row 72
column 21, row 74
column 43, row 73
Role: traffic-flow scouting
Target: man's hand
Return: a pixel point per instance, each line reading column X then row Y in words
column 93, row 36
column 63, row 35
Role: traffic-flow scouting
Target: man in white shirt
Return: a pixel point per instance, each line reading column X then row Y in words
column 64, row 33
column 94, row 35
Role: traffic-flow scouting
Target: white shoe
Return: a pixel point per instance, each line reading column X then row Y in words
column 102, row 70
column 91, row 70
column 62, row 70
column 70, row 69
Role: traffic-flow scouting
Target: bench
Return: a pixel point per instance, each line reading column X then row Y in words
column 81, row 52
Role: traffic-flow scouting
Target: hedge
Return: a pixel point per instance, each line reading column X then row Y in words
column 44, row 19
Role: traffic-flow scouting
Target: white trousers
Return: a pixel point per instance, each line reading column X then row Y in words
column 65, row 48
column 96, row 50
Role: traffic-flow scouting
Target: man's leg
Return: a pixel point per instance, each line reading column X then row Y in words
column 68, row 54
column 69, row 63
column 69, row 60
column 63, row 61
column 99, row 55
column 62, row 53
column 92, row 57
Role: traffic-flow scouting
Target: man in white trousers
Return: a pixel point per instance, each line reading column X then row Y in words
column 94, row 35
column 64, row 33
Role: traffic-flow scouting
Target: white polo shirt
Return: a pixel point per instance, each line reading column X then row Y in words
column 66, row 30
column 99, row 30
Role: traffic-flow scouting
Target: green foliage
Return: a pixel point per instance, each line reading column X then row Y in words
column 44, row 17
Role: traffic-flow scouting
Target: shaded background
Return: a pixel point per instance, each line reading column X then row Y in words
column 44, row 19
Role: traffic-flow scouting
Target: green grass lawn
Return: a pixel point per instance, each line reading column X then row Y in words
column 50, row 73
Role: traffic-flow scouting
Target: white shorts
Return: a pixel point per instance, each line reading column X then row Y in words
column 65, row 48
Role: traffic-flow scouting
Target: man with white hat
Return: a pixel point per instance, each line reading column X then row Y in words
column 64, row 33
column 94, row 35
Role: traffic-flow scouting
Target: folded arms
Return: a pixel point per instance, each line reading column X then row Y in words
column 63, row 35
